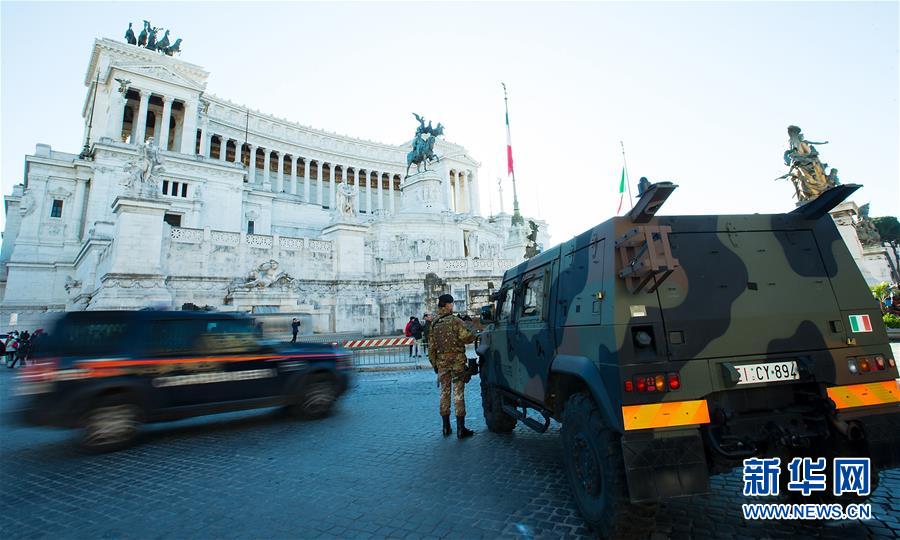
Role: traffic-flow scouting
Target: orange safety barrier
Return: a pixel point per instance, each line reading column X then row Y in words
column 861, row 395
column 674, row 413
column 378, row 342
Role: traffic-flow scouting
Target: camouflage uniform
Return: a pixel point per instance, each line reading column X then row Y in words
column 447, row 353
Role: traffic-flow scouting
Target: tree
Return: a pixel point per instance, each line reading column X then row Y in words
column 888, row 227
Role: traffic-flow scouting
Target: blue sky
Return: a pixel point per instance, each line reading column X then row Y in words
column 701, row 93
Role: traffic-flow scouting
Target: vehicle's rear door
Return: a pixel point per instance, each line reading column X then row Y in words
column 742, row 293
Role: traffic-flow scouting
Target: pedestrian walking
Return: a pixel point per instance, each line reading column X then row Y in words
column 448, row 338
column 295, row 327
column 21, row 349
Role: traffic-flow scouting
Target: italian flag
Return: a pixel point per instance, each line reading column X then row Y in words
column 509, row 161
column 860, row 323
column 621, row 191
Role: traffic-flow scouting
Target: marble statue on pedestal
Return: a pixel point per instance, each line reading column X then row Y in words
column 143, row 172
column 346, row 201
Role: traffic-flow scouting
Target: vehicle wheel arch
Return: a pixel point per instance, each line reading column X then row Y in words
column 570, row 374
column 98, row 394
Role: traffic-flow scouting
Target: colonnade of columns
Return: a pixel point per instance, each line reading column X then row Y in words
column 281, row 173
column 461, row 186
column 462, row 192
column 186, row 120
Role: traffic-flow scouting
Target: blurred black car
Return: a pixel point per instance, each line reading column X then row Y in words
column 109, row 372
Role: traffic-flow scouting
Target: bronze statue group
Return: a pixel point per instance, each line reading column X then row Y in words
column 147, row 40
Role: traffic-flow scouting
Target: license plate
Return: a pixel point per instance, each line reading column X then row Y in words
column 768, row 372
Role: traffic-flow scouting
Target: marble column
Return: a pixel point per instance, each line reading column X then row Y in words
column 459, row 194
column 189, row 129
column 356, row 189
column 166, row 122
column 306, row 179
column 116, row 115
column 466, row 187
column 205, row 139
column 279, row 178
column 391, row 192
column 332, row 193
column 320, row 184
column 474, row 195
column 267, row 182
column 293, row 190
column 251, row 165
column 223, row 147
column 139, row 124
column 369, row 191
column 380, row 193
column 448, row 190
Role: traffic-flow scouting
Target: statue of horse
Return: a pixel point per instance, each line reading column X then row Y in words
column 163, row 44
column 142, row 39
column 422, row 154
column 174, row 48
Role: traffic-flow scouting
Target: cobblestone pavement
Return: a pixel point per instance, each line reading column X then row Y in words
column 377, row 468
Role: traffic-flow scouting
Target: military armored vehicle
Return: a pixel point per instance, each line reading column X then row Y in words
column 671, row 348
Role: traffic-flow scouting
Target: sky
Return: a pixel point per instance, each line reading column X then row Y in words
column 700, row 94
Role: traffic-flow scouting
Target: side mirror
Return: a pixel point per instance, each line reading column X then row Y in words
column 487, row 314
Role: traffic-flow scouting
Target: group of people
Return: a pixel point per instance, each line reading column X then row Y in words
column 418, row 331
column 17, row 347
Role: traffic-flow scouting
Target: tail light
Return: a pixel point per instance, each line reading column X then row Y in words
column 641, row 384
column 653, row 383
column 674, row 381
column 868, row 364
column 660, row 383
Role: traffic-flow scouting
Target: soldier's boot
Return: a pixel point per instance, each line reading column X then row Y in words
column 461, row 431
column 447, row 429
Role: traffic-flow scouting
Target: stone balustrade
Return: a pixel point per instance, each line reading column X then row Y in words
column 226, row 238
column 447, row 267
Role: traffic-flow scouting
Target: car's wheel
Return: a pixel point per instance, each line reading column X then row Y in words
column 316, row 398
column 592, row 456
column 497, row 421
column 111, row 423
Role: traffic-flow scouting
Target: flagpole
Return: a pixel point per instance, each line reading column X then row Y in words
column 627, row 179
column 517, row 217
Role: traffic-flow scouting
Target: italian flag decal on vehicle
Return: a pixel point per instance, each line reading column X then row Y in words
column 860, row 323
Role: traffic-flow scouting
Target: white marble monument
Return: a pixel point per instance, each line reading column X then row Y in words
column 183, row 195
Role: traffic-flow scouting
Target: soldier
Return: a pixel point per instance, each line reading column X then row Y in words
column 447, row 353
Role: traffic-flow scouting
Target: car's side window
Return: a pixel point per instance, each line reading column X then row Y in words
column 228, row 336
column 506, row 303
column 533, row 298
column 173, row 337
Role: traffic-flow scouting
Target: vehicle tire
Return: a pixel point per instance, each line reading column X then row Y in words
column 315, row 398
column 497, row 421
column 111, row 423
column 592, row 457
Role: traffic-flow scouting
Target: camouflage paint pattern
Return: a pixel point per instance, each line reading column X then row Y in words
column 447, row 342
column 748, row 288
column 452, row 378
